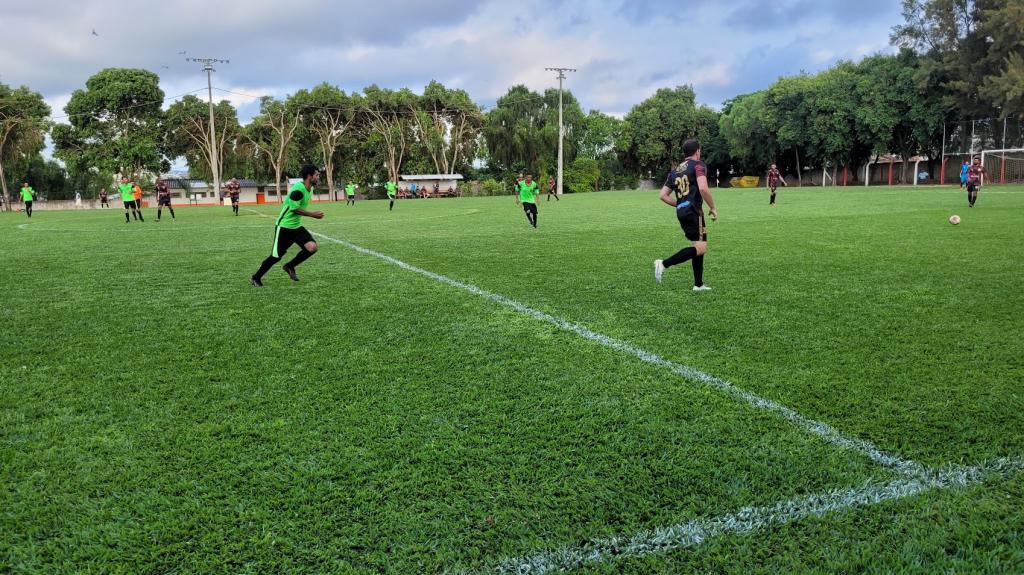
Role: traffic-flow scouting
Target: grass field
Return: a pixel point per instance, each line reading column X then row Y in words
column 526, row 410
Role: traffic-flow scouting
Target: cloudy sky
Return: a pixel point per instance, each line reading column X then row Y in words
column 624, row 49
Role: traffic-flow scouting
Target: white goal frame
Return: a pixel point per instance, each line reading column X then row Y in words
column 1004, row 151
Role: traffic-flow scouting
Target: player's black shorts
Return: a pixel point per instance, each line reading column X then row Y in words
column 285, row 237
column 162, row 203
column 234, row 200
column 530, row 208
column 129, row 205
column 973, row 187
column 692, row 222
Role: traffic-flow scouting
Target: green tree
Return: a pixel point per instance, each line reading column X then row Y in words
column 448, row 126
column 388, row 125
column 512, row 132
column 748, row 133
column 583, row 175
column 1003, row 24
column 972, row 48
column 328, row 116
column 188, row 135
column 654, row 130
column 270, row 137
column 116, row 124
column 23, row 126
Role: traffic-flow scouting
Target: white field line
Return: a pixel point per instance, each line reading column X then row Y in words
column 749, row 519
column 828, row 433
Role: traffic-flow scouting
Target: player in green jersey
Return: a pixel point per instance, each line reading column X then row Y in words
column 127, row 190
column 391, row 188
column 288, row 228
column 27, row 195
column 527, row 196
column 350, row 194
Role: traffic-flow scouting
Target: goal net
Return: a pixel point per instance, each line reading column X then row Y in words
column 1003, row 166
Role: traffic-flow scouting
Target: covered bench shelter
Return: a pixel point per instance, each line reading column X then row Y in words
column 425, row 182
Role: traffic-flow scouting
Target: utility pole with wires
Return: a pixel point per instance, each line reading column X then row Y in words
column 214, row 160
column 561, row 129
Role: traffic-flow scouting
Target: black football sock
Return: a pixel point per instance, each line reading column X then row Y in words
column 698, row 270
column 127, row 219
column 141, row 219
column 158, row 211
column 391, row 206
column 300, row 257
column 772, row 202
column 265, row 267
column 170, row 209
column 682, row 256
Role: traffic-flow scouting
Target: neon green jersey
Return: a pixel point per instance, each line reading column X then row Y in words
column 391, row 187
column 528, row 192
column 298, row 199
column 350, row 189
column 127, row 192
column 27, row 194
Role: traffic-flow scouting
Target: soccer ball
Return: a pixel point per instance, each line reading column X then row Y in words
column 954, row 220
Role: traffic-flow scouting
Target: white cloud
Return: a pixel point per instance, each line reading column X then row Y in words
column 624, row 49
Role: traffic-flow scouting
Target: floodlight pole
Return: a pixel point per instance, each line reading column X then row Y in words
column 561, row 130
column 214, row 160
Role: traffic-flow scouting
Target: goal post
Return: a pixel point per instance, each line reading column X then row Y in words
column 1004, row 166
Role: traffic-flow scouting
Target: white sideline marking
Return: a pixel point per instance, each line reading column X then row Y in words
column 749, row 519
column 822, row 430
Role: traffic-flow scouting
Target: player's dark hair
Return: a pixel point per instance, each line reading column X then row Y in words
column 690, row 147
column 308, row 170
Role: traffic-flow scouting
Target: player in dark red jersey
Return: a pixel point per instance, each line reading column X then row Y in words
column 163, row 199
column 103, row 199
column 235, row 191
column 686, row 189
column 774, row 177
column 975, row 178
column 551, row 189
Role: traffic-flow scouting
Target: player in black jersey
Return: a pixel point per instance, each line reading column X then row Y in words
column 686, row 189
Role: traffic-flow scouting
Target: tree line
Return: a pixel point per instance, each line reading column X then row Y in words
column 956, row 59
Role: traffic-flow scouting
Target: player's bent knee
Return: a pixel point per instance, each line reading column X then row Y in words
column 311, row 247
column 702, row 248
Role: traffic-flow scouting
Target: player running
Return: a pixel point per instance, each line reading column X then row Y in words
column 234, row 192
column 975, row 178
column 774, row 177
column 288, row 228
column 689, row 184
column 392, row 188
column 528, row 197
column 163, row 199
column 27, row 196
column 551, row 189
column 126, row 189
column 964, row 169
column 350, row 194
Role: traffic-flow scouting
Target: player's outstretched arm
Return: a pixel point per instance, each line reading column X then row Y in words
column 314, row 215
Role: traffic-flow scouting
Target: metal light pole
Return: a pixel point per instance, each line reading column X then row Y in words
column 214, row 160
column 561, row 129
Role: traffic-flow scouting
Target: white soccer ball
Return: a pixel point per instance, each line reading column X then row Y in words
column 954, row 220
